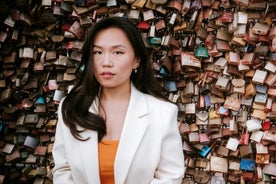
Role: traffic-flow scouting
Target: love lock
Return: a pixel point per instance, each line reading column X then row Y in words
column 202, row 176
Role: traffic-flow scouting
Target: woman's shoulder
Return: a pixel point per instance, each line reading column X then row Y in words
column 153, row 102
column 160, row 103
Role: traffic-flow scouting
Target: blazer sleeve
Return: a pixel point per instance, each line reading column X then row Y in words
column 61, row 171
column 171, row 167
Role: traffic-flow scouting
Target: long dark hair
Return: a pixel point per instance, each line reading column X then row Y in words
column 75, row 107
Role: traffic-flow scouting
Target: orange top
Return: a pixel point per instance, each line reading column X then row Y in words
column 107, row 153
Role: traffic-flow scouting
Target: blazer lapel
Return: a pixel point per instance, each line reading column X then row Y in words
column 89, row 155
column 89, row 152
column 135, row 126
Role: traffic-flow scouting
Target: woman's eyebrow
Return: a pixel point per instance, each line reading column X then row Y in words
column 96, row 46
column 114, row 46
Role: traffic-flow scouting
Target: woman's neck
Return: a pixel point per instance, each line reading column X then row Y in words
column 115, row 94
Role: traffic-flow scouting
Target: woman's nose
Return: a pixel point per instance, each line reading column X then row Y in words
column 107, row 62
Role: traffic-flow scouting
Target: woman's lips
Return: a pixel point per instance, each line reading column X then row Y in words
column 107, row 75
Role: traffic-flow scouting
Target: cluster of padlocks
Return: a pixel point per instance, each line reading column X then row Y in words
column 216, row 59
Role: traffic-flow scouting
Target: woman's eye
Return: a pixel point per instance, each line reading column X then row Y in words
column 96, row 52
column 118, row 52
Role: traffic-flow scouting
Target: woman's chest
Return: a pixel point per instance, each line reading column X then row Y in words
column 115, row 119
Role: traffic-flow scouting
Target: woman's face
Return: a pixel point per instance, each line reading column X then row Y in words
column 114, row 58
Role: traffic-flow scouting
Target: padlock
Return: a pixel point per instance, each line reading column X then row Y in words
column 210, row 41
column 201, row 176
column 31, row 142
column 232, row 103
column 244, row 137
column 246, row 150
column 201, row 52
column 223, row 151
column 222, row 83
column 238, row 86
column 203, row 137
column 259, row 76
column 219, row 164
column 270, row 169
column 248, row 164
column 248, row 176
column 232, row 144
column 234, row 165
column 250, row 90
column 205, row 150
column 260, row 29
column 189, row 89
column 223, row 34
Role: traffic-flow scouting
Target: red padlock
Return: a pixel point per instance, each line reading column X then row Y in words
column 266, row 125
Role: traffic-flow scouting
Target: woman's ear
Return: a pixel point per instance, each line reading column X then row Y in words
column 137, row 63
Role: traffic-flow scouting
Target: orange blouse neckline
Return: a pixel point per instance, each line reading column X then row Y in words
column 107, row 154
column 108, row 141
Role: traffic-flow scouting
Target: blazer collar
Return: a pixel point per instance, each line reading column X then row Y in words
column 89, row 157
column 134, row 128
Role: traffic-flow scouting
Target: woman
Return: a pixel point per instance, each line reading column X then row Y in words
column 115, row 126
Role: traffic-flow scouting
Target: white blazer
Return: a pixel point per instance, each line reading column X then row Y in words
column 149, row 151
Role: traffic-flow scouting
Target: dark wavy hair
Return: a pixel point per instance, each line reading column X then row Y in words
column 75, row 107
